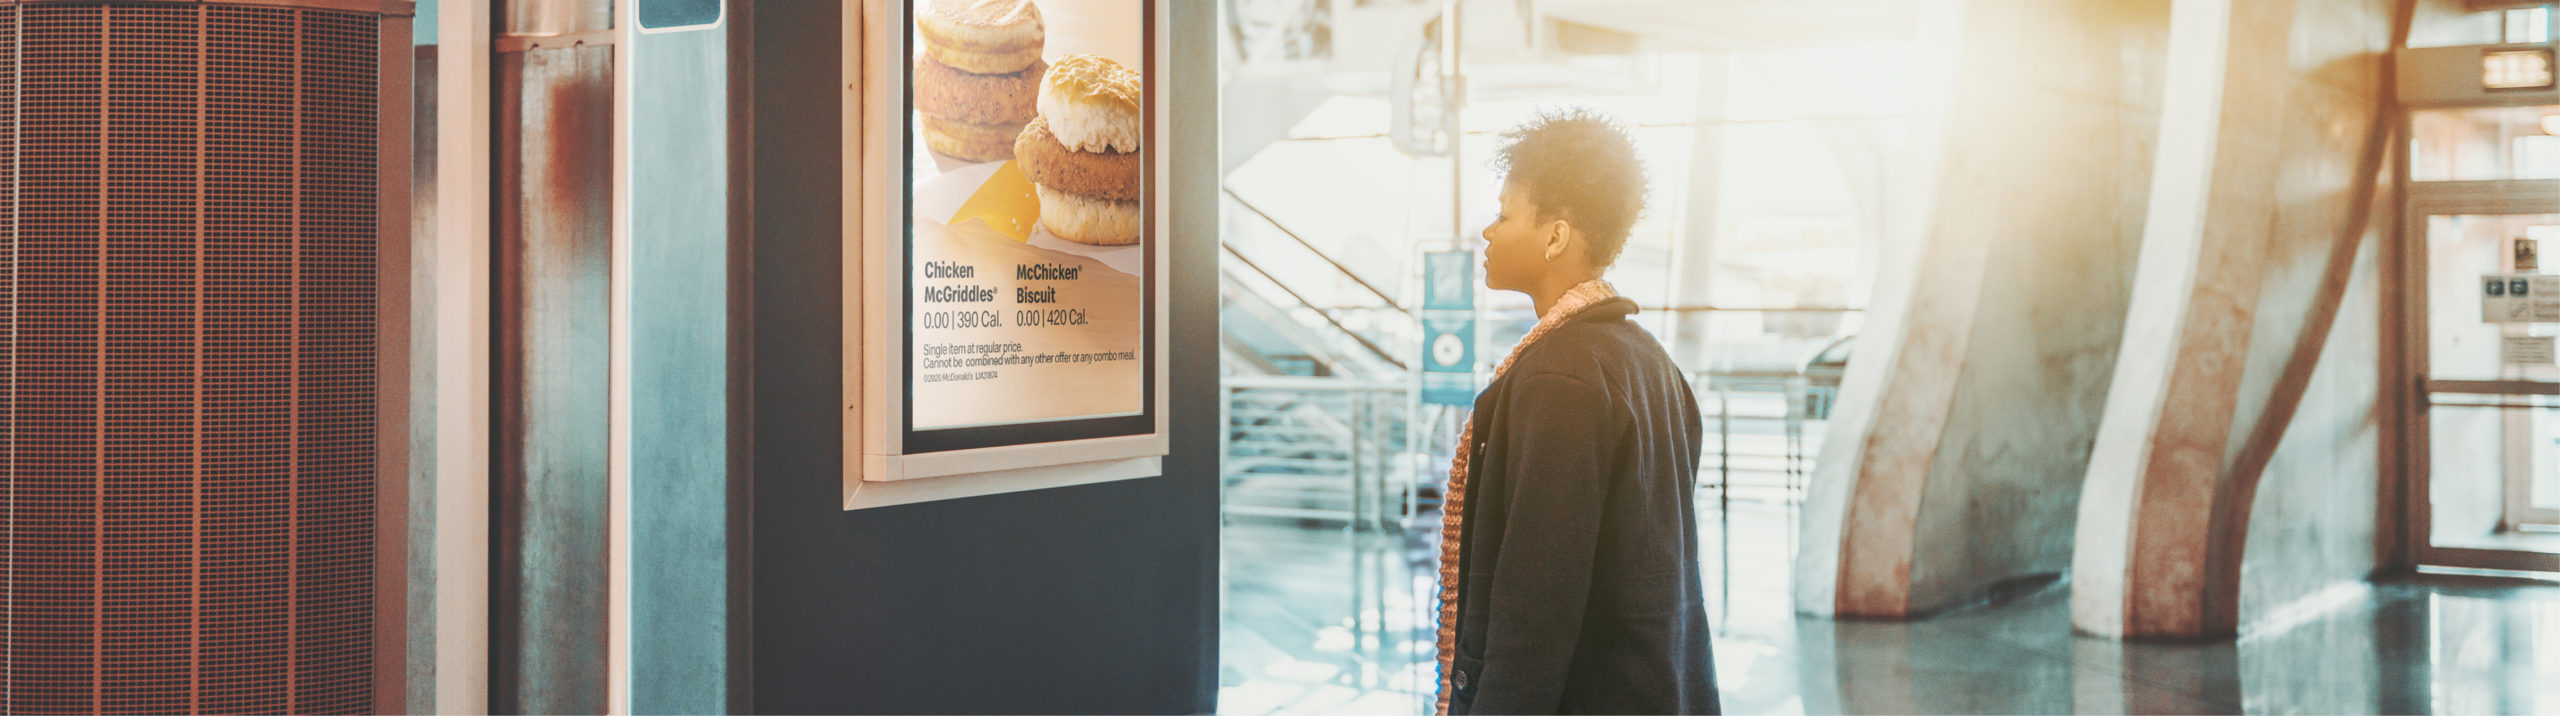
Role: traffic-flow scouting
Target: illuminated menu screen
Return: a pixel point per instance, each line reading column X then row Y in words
column 1029, row 238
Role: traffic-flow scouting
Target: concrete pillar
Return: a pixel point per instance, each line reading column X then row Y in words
column 1693, row 256
column 1953, row 461
column 2243, row 348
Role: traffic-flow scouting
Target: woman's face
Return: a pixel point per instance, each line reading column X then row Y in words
column 1515, row 244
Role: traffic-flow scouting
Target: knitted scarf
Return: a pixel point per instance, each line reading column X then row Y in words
column 1454, row 498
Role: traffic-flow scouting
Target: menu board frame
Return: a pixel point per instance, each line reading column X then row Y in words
column 887, row 460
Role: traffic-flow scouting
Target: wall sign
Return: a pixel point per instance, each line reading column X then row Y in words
column 2519, row 298
column 673, row 14
column 1012, row 246
column 2516, row 69
column 2525, row 350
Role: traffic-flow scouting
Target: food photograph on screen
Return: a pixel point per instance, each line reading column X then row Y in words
column 1026, row 211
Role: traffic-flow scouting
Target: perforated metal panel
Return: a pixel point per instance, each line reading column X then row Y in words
column 189, row 225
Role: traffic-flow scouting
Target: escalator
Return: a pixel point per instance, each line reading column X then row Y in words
column 1315, row 395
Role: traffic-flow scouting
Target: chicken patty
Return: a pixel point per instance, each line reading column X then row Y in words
column 1115, row 176
column 947, row 93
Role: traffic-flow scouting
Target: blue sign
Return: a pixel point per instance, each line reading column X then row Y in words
column 1449, row 281
column 1448, row 344
column 1449, row 359
column 1457, row 389
column 661, row 14
column 1449, row 328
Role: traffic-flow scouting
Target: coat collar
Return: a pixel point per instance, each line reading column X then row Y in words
column 1616, row 308
column 1611, row 309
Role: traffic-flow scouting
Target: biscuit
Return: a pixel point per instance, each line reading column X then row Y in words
column 1088, row 220
column 1100, row 175
column 1091, row 103
column 941, row 91
column 967, row 141
column 988, row 37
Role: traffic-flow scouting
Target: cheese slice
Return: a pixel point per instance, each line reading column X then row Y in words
column 1006, row 203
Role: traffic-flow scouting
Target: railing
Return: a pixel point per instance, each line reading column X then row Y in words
column 1311, row 248
column 1376, row 332
column 1762, row 435
column 1319, row 449
column 1372, row 348
column 1322, row 449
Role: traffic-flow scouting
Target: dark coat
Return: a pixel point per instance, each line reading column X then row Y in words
column 1578, row 559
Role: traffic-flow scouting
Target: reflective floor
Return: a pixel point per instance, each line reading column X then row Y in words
column 1320, row 620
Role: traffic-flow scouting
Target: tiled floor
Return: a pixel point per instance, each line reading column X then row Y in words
column 1319, row 620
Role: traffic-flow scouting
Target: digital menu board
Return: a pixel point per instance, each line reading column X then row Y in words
column 1029, row 262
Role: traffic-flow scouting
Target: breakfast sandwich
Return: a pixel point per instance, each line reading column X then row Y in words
column 1081, row 152
column 977, row 81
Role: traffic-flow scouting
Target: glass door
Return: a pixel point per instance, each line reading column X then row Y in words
column 2492, row 424
column 2483, row 315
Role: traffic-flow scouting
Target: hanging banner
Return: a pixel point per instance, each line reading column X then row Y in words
column 1448, row 362
column 1449, row 281
column 1448, row 328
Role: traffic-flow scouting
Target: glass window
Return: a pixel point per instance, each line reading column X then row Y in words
column 2478, row 144
column 2460, row 250
column 2485, row 453
column 2528, row 25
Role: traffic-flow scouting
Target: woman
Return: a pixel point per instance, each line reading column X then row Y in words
column 1569, row 565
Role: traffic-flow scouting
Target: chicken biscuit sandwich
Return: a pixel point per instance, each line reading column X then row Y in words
column 1082, row 151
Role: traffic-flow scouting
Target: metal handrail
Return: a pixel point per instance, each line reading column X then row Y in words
column 1234, row 296
column 1340, row 429
column 1311, row 248
column 1381, row 353
column 2492, row 387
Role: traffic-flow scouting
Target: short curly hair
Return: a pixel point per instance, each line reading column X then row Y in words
column 1576, row 163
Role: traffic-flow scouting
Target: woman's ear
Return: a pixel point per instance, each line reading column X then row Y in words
column 1558, row 235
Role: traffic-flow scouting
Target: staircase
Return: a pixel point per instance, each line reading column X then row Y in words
column 1315, row 449
column 1317, row 386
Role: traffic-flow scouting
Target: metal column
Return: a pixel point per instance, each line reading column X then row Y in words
column 551, row 215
